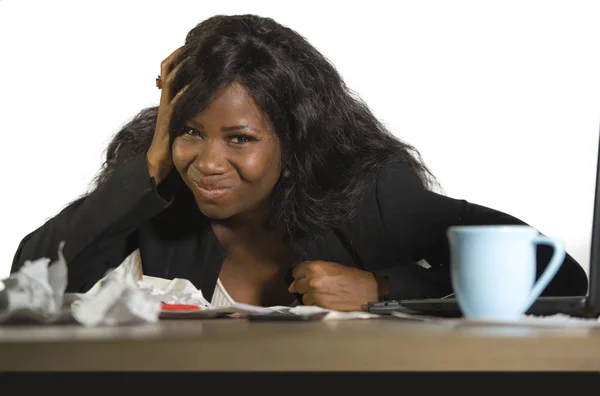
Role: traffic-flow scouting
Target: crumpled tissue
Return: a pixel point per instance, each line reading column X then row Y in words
column 36, row 293
column 167, row 291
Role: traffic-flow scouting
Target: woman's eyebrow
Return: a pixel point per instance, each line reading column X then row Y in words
column 231, row 128
column 239, row 127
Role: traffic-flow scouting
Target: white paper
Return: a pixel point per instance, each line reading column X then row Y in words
column 331, row 314
column 114, row 303
column 123, row 296
column 235, row 310
column 37, row 293
column 182, row 291
column 173, row 291
column 558, row 320
column 241, row 310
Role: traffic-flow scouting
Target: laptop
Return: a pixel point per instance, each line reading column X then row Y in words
column 587, row 306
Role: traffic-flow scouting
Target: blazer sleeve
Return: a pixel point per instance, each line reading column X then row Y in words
column 98, row 228
column 416, row 220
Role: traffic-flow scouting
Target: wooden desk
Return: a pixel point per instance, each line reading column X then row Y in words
column 236, row 344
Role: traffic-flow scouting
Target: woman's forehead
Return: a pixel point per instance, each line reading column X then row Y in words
column 233, row 103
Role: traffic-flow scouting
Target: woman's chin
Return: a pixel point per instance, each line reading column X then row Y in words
column 213, row 212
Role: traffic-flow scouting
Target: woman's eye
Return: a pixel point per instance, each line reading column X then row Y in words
column 241, row 139
column 191, row 132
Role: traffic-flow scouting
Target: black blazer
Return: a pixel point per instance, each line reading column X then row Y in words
column 400, row 224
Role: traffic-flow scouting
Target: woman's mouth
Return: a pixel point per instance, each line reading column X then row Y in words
column 211, row 192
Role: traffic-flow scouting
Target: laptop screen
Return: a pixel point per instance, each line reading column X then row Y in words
column 594, row 284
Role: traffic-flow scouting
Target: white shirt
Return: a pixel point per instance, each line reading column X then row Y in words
column 220, row 297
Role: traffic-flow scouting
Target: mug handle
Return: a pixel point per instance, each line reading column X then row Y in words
column 550, row 271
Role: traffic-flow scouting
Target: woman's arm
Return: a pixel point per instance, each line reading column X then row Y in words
column 416, row 221
column 98, row 229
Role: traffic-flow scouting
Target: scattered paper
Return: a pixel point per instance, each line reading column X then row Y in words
column 173, row 291
column 331, row 314
column 234, row 310
column 241, row 310
column 182, row 291
column 558, row 320
column 36, row 293
column 116, row 303
column 126, row 296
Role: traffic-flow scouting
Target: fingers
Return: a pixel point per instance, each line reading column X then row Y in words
column 166, row 67
column 302, row 269
column 305, row 285
column 309, row 299
column 169, row 70
column 166, row 111
column 302, row 285
column 168, row 79
column 292, row 288
column 179, row 95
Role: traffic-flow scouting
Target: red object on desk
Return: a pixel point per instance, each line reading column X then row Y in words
column 179, row 307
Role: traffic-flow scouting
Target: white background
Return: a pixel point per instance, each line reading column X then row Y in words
column 502, row 98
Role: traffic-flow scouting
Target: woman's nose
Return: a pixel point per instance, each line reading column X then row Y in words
column 210, row 158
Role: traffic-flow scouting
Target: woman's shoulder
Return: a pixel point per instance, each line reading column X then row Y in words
column 395, row 181
column 395, row 190
column 382, row 186
column 394, row 174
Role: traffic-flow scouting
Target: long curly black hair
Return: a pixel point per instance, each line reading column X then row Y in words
column 331, row 142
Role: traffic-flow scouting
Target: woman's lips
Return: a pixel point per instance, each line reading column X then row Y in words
column 211, row 192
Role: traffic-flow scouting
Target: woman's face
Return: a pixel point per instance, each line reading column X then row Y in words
column 228, row 155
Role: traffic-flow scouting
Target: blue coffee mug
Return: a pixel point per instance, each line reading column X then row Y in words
column 493, row 269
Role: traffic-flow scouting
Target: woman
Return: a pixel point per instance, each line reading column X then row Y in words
column 263, row 180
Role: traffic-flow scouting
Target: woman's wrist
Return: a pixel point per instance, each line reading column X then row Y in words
column 158, row 172
column 383, row 287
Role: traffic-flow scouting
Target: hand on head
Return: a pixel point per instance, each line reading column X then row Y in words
column 158, row 157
